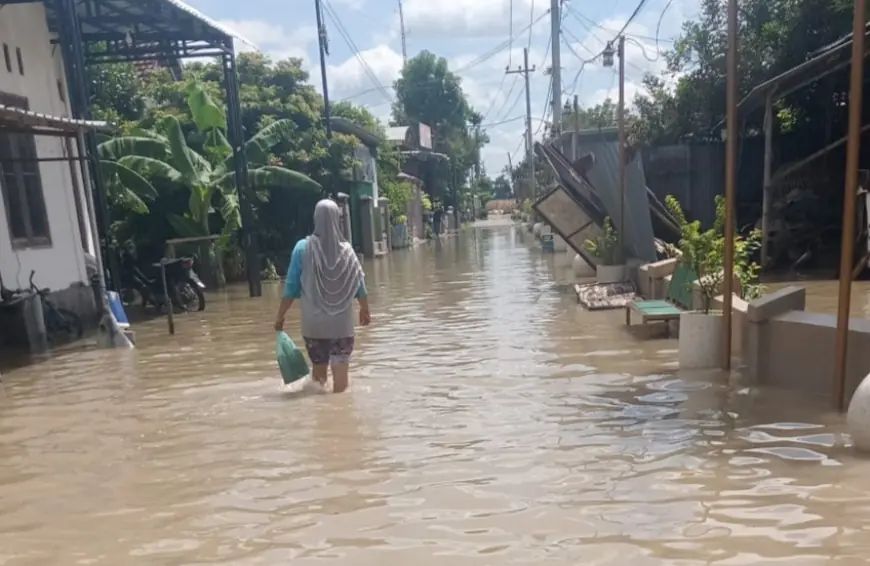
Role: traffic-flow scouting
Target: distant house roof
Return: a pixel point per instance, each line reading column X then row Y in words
column 18, row 117
column 351, row 128
column 398, row 134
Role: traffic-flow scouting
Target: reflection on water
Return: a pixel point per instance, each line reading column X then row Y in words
column 490, row 421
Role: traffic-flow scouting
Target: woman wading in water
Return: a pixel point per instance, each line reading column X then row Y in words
column 326, row 275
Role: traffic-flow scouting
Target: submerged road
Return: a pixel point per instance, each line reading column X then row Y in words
column 489, row 422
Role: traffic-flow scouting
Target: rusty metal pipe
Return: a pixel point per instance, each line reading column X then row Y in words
column 730, row 181
column 847, row 246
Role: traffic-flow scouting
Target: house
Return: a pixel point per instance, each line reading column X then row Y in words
column 46, row 218
column 54, row 219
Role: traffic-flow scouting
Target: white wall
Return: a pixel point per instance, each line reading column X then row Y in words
column 23, row 26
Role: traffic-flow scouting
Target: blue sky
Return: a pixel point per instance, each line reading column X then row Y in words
column 462, row 31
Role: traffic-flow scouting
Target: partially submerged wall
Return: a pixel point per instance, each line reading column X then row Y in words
column 790, row 347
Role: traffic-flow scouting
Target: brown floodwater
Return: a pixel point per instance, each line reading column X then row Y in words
column 490, row 421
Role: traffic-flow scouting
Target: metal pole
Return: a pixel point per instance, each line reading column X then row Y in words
column 324, row 51
column 621, row 120
column 555, row 33
column 530, row 149
column 730, row 180
column 166, row 299
column 768, row 170
column 236, row 136
column 402, row 29
column 847, row 247
column 576, row 135
column 529, row 140
column 517, row 196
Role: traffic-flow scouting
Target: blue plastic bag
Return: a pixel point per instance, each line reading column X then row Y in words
column 291, row 360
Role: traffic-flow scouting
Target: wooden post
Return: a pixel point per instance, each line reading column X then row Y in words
column 768, row 174
column 847, row 246
column 170, row 309
column 730, row 181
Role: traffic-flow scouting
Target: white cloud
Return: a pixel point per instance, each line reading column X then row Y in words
column 350, row 4
column 474, row 18
column 350, row 77
column 273, row 40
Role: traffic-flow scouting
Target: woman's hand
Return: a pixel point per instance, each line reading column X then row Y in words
column 365, row 317
column 282, row 312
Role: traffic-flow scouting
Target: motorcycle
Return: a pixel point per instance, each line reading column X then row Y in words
column 185, row 286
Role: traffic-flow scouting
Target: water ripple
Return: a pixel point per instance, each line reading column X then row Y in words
column 491, row 421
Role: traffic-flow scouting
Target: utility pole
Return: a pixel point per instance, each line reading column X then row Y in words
column 530, row 149
column 576, row 135
column 608, row 62
column 556, row 31
column 511, row 178
column 323, row 44
column 621, row 119
column 402, row 29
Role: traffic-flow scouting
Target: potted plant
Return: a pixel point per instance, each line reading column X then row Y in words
column 703, row 252
column 605, row 249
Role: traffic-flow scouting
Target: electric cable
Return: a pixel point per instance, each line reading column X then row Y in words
column 330, row 12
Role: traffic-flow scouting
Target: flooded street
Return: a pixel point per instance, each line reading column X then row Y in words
column 490, row 421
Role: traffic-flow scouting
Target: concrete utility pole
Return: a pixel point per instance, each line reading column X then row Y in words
column 324, row 51
column 530, row 148
column 402, row 29
column 511, row 178
column 556, row 32
column 576, row 135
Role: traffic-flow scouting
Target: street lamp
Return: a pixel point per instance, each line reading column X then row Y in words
column 607, row 55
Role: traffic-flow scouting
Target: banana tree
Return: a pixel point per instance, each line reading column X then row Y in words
column 129, row 162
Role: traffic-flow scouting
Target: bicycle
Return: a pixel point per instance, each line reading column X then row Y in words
column 61, row 325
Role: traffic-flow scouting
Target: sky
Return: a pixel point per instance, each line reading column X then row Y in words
column 462, row 31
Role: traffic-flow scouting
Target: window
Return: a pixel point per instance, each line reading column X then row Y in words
column 7, row 57
column 21, row 185
column 20, row 61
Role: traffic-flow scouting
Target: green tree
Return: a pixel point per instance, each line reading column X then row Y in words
column 501, row 188
column 428, row 92
column 774, row 36
column 208, row 176
column 271, row 92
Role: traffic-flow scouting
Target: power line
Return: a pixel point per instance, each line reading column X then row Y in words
column 514, row 105
column 500, row 47
column 495, row 97
column 511, row 32
column 502, row 122
column 580, row 16
column 630, row 19
column 547, row 107
column 350, row 43
column 532, row 26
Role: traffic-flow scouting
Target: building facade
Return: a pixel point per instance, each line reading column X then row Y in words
column 44, row 213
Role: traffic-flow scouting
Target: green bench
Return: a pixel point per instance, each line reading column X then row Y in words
column 679, row 299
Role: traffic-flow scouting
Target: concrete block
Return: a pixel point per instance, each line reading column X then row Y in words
column 778, row 302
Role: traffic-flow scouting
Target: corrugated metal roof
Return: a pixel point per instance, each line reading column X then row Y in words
column 206, row 20
column 144, row 20
column 29, row 118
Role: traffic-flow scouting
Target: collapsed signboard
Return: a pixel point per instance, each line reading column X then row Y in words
column 561, row 210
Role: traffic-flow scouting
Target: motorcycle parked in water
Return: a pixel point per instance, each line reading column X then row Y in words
column 185, row 286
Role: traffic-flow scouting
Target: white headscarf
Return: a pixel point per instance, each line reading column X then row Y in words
column 331, row 272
